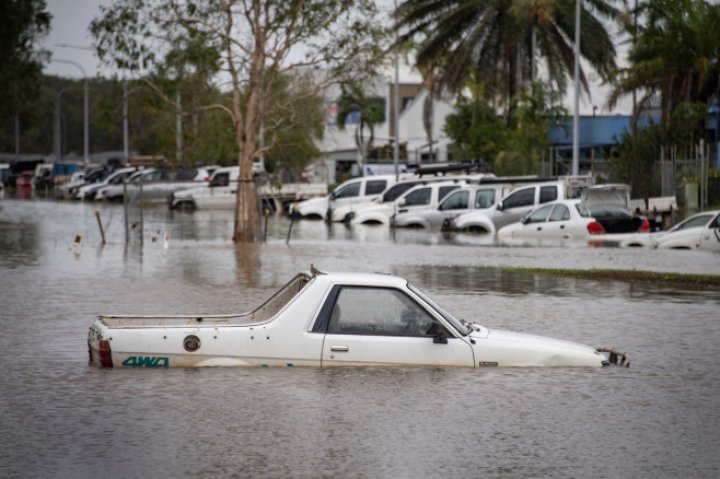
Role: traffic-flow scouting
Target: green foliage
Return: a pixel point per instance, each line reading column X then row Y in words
column 371, row 112
column 634, row 158
column 502, row 38
column 22, row 22
column 509, row 148
column 674, row 55
column 476, row 129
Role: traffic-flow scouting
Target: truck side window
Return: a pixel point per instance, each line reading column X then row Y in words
column 524, row 197
column 548, row 193
column 375, row 187
column 456, row 201
column 348, row 191
column 419, row 196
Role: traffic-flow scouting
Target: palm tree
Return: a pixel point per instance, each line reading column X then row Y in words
column 503, row 38
column 675, row 55
column 371, row 112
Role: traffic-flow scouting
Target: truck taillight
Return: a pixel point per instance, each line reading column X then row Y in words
column 645, row 226
column 595, row 228
column 105, row 353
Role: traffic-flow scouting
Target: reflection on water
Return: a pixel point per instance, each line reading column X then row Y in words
column 62, row 418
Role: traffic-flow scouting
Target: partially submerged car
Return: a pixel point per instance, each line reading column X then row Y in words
column 345, row 199
column 461, row 201
column 700, row 231
column 521, row 195
column 422, row 196
column 337, row 319
column 571, row 221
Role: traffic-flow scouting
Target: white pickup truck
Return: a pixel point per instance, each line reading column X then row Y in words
column 330, row 319
column 221, row 191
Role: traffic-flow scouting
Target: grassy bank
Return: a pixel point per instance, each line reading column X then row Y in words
column 712, row 281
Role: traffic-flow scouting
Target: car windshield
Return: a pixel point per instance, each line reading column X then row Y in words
column 460, row 324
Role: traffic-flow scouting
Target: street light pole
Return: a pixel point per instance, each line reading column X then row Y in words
column 86, row 108
column 576, row 118
column 396, row 107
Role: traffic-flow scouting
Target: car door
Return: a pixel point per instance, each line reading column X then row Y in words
column 369, row 325
column 514, row 206
column 559, row 224
column 417, row 199
column 535, row 225
column 454, row 204
column 710, row 236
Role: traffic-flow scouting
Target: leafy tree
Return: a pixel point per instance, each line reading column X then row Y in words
column 370, row 111
column 257, row 41
column 501, row 39
column 514, row 149
column 22, row 22
column 674, row 55
column 476, row 129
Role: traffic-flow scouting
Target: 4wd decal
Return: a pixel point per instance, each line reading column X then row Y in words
column 147, row 362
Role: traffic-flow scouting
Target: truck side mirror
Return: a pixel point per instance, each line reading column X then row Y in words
column 500, row 206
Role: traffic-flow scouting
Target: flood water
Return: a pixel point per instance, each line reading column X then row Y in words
column 60, row 417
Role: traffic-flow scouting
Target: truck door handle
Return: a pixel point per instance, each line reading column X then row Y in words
column 339, row 349
column 562, row 227
column 539, row 228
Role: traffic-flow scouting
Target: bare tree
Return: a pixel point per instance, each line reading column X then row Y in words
column 317, row 42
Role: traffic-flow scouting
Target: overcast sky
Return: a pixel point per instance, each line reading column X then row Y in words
column 70, row 25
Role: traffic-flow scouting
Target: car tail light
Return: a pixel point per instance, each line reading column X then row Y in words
column 105, row 353
column 645, row 226
column 595, row 228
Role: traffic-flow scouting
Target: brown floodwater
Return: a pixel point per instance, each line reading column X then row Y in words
column 60, row 417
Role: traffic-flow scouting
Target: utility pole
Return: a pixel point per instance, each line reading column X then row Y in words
column 576, row 117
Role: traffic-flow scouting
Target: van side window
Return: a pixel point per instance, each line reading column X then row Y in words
column 524, row 197
column 375, row 187
column 548, row 193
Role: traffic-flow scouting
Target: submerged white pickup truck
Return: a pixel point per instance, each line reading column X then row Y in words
column 330, row 319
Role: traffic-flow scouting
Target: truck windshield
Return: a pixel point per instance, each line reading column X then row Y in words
column 463, row 327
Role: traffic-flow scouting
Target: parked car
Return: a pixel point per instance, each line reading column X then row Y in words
column 220, row 192
column 520, row 198
column 462, row 200
column 330, row 319
column 87, row 191
column 700, row 231
column 345, row 198
column 422, row 195
column 93, row 174
column 23, row 181
column 569, row 221
column 157, row 185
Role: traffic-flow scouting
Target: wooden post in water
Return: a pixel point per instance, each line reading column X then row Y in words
column 125, row 204
column 142, row 216
column 99, row 221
